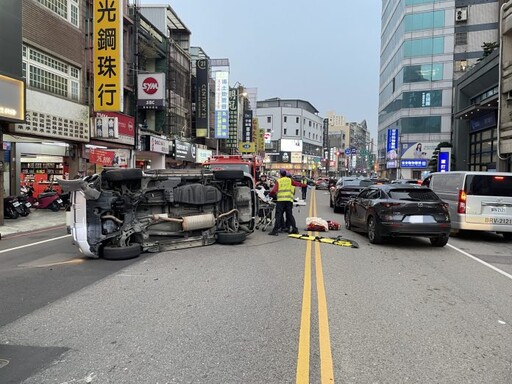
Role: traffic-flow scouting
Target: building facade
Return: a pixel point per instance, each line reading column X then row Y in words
column 293, row 133
column 425, row 46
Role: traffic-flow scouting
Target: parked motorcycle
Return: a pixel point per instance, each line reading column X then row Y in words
column 46, row 200
column 12, row 209
column 25, row 205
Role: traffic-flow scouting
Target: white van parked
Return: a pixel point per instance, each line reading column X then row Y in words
column 479, row 201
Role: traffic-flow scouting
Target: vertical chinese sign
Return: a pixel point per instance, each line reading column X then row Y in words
column 202, row 98
column 221, row 104
column 108, row 55
column 231, row 141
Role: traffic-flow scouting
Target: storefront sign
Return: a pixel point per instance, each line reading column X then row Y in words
column 105, row 127
column 202, row 155
column 247, row 147
column 233, row 118
column 413, row 163
column 157, row 144
column 12, row 99
column 392, row 144
column 184, row 151
column 125, row 128
column 221, row 104
column 202, row 98
column 108, row 55
column 296, row 157
column 101, row 156
column 151, row 90
column 247, row 134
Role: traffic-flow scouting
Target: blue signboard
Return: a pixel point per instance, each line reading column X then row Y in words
column 443, row 161
column 221, row 124
column 347, row 151
column 392, row 142
column 413, row 163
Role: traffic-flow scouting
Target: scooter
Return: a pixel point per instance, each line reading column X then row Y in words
column 12, row 209
column 46, row 200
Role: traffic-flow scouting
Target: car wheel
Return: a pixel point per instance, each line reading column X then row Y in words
column 228, row 238
column 348, row 224
column 337, row 209
column 373, row 231
column 440, row 241
column 330, row 202
column 121, row 253
column 507, row 236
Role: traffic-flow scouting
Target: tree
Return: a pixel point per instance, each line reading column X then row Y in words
column 432, row 164
column 488, row 49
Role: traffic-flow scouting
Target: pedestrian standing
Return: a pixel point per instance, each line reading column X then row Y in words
column 304, row 187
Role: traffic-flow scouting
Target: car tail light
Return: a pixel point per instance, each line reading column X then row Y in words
column 461, row 206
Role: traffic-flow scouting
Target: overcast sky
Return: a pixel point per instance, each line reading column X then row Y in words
column 324, row 51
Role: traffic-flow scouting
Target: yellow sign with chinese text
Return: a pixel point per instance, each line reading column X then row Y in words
column 247, row 147
column 108, row 55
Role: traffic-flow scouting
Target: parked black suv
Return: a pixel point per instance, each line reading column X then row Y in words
column 345, row 188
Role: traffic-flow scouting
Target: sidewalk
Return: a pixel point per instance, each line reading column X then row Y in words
column 38, row 219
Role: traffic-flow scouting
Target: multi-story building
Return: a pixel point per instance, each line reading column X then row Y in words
column 425, row 45
column 55, row 71
column 293, row 134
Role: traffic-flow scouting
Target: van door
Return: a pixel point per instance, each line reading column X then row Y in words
column 489, row 199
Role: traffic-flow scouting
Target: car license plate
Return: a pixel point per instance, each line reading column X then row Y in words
column 498, row 220
column 59, row 201
column 419, row 219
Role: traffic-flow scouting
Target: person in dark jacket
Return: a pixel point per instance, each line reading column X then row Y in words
column 284, row 192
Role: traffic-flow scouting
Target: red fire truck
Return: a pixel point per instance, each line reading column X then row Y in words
column 251, row 164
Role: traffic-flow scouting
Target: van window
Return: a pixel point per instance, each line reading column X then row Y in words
column 446, row 182
column 488, row 185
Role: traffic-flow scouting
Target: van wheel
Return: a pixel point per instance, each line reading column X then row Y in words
column 228, row 238
column 440, row 241
column 121, row 253
column 507, row 236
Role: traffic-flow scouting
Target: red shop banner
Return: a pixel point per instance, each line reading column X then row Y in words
column 102, row 157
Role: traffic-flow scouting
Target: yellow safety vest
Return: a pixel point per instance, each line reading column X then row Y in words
column 286, row 190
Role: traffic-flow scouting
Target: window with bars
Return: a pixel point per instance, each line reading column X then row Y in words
column 67, row 9
column 51, row 75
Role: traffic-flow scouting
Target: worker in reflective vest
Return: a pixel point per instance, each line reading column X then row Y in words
column 284, row 191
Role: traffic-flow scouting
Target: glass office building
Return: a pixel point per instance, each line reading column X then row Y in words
column 425, row 45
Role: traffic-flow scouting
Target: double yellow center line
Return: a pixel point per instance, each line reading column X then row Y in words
column 326, row 368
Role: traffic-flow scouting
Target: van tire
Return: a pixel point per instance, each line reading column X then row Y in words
column 439, row 241
column 507, row 236
column 121, row 253
column 229, row 238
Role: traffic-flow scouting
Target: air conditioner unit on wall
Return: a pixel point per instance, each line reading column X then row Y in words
column 461, row 14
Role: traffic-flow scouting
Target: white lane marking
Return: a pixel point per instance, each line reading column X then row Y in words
column 32, row 244
column 481, row 262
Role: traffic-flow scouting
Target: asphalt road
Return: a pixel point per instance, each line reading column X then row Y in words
column 273, row 310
